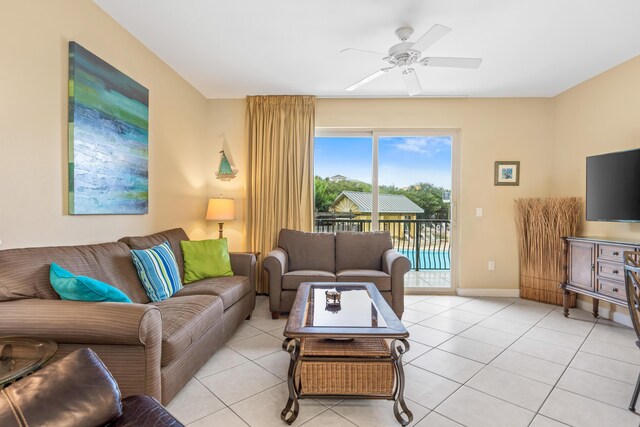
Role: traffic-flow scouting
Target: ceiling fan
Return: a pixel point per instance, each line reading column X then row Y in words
column 405, row 54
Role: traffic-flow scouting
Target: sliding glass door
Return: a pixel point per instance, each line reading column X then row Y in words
column 401, row 182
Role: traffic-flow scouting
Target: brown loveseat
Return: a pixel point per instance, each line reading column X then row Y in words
column 341, row 257
column 150, row 347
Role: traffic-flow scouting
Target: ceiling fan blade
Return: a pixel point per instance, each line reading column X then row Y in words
column 362, row 50
column 451, row 62
column 430, row 37
column 368, row 79
column 410, row 78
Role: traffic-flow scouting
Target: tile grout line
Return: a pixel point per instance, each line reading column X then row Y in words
column 454, row 335
column 555, row 385
column 326, row 408
column 485, row 365
column 488, row 364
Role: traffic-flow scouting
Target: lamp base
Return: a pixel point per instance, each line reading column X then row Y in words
column 220, row 226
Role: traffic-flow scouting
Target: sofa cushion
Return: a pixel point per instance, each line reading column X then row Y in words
column 82, row 288
column 292, row 279
column 309, row 251
column 158, row 271
column 24, row 273
column 173, row 236
column 230, row 289
column 184, row 321
column 380, row 279
column 361, row 251
column 205, row 258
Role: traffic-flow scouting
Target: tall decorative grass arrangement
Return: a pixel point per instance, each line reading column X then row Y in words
column 541, row 223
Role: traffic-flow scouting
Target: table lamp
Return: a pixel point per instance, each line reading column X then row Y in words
column 221, row 210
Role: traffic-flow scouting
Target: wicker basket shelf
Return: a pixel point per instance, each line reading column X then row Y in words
column 362, row 366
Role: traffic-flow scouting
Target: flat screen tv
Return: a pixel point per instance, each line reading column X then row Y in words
column 613, row 187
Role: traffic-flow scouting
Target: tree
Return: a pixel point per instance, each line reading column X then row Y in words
column 423, row 194
column 428, row 197
column 327, row 191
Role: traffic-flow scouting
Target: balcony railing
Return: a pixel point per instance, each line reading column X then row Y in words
column 426, row 242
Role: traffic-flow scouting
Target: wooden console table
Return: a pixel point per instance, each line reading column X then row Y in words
column 595, row 267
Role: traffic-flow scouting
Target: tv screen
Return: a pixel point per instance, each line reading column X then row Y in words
column 613, row 187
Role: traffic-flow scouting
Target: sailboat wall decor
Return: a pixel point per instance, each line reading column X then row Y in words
column 225, row 173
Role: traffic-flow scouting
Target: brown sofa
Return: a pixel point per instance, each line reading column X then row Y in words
column 150, row 348
column 341, row 257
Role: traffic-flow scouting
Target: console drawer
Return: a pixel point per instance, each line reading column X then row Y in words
column 611, row 270
column 612, row 253
column 613, row 289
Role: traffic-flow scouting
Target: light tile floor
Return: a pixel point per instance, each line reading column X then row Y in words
column 428, row 279
column 473, row 362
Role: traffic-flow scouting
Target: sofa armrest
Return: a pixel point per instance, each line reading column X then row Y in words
column 74, row 391
column 277, row 264
column 396, row 265
column 104, row 326
column 244, row 264
column 83, row 322
column 144, row 411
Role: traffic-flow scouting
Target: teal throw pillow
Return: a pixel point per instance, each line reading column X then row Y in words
column 158, row 271
column 82, row 288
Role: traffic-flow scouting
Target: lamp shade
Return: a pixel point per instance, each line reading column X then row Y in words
column 221, row 209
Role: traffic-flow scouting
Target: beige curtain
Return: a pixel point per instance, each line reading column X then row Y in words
column 280, row 132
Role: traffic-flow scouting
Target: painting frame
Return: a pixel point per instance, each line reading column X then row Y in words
column 108, row 138
column 506, row 173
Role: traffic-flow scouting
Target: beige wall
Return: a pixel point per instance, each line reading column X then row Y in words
column 598, row 116
column 225, row 131
column 34, row 38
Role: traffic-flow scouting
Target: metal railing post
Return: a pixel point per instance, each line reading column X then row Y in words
column 436, row 255
column 417, row 246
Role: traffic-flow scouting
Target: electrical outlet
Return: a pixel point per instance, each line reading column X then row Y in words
column 492, row 265
column 479, row 212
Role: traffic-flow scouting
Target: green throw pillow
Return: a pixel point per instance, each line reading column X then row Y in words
column 205, row 258
column 82, row 288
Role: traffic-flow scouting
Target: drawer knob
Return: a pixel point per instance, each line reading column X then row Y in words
column 616, row 253
column 615, row 289
column 615, row 272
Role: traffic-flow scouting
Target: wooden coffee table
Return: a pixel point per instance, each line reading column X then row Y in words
column 342, row 351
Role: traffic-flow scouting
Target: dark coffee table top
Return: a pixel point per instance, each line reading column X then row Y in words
column 20, row 356
column 363, row 312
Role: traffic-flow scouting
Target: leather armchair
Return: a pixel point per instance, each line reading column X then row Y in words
column 76, row 391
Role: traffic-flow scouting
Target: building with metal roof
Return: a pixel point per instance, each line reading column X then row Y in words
column 357, row 202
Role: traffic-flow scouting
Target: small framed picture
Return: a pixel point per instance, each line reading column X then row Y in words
column 507, row 173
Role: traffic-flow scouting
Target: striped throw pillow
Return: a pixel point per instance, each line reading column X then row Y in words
column 158, row 271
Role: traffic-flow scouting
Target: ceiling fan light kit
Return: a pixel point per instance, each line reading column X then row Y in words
column 405, row 54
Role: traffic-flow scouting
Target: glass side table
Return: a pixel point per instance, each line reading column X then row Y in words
column 20, row 356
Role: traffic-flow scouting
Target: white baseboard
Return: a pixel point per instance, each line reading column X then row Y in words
column 498, row 293
column 621, row 317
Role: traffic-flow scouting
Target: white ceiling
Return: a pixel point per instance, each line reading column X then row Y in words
column 234, row 48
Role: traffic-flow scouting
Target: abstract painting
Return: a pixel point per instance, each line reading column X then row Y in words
column 108, row 138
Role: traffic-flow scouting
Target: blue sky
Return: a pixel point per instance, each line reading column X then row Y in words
column 403, row 160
